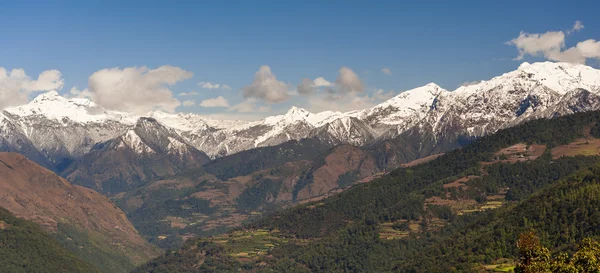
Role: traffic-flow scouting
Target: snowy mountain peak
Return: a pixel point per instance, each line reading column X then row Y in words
column 147, row 121
column 296, row 113
column 152, row 130
column 414, row 98
column 433, row 86
column 48, row 96
column 150, row 136
column 524, row 66
column 560, row 78
column 293, row 115
column 134, row 142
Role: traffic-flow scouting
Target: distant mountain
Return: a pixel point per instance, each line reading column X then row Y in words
column 84, row 221
column 146, row 151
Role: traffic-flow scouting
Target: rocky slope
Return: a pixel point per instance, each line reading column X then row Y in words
column 146, row 151
column 85, row 222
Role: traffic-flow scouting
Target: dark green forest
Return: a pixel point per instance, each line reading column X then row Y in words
column 25, row 247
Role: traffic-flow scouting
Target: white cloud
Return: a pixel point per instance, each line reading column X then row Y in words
column 219, row 101
column 381, row 95
column 578, row 26
column 469, row 83
column 342, row 95
column 343, row 103
column 551, row 45
column 347, row 102
column 188, row 103
column 192, row 93
column 321, row 82
column 306, row 87
column 210, row 85
column 250, row 105
column 75, row 92
column 348, row 81
column 15, row 85
column 386, row 71
column 538, row 44
column 266, row 87
column 136, row 89
column 589, row 48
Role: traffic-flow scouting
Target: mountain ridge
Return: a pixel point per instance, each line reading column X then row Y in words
column 516, row 95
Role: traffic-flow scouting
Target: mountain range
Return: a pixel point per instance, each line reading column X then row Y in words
column 80, row 140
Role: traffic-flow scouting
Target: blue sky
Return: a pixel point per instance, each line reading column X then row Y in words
column 226, row 42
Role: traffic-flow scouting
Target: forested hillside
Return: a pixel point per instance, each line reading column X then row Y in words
column 464, row 209
column 25, row 247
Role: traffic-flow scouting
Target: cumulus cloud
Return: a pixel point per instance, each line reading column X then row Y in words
column 551, row 45
column 536, row 44
column 75, row 92
column 189, row 103
column 250, row 105
column 589, row 48
column 348, row 81
column 347, row 102
column 306, row 87
column 343, row 103
column 266, row 87
column 381, row 95
column 219, row 101
column 15, row 85
column 345, row 94
column 386, row 71
column 210, row 85
column 321, row 82
column 137, row 89
column 192, row 93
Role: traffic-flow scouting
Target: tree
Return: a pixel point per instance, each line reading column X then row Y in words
column 533, row 256
column 536, row 258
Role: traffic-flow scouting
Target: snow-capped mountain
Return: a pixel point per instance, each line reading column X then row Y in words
column 63, row 130
column 146, row 151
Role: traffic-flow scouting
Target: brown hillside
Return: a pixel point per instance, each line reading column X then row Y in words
column 32, row 192
column 341, row 160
